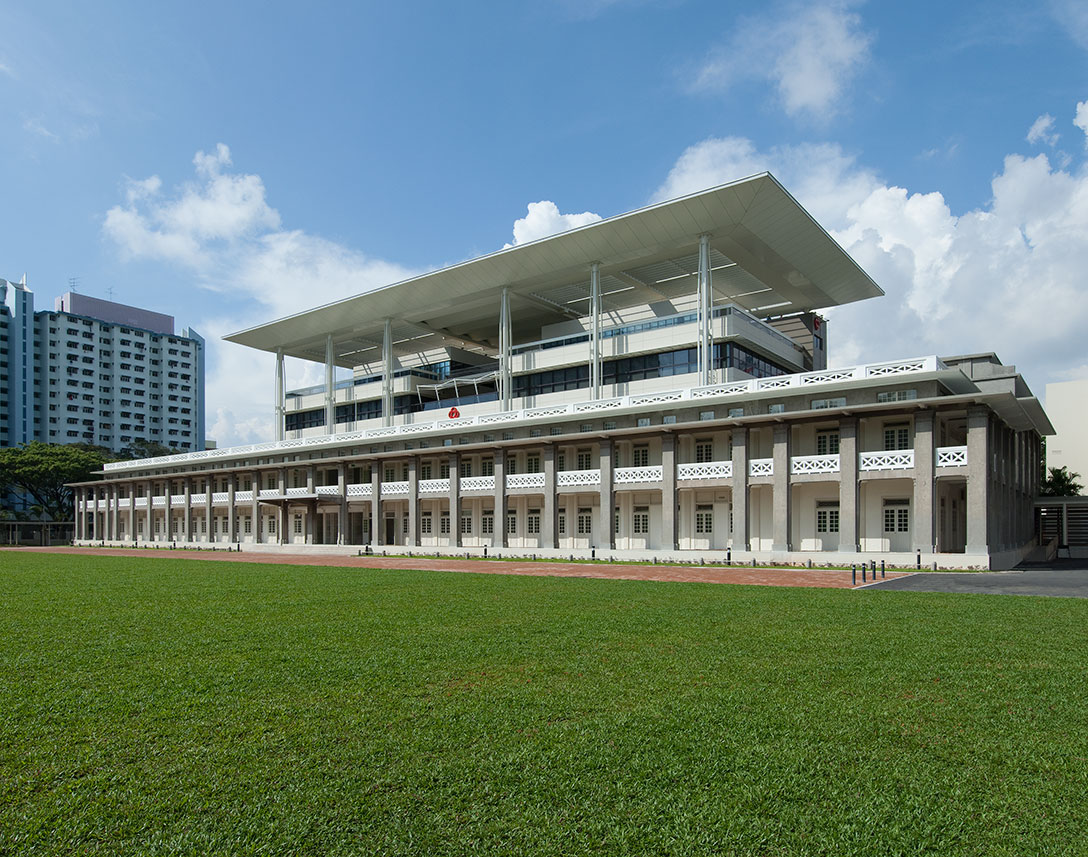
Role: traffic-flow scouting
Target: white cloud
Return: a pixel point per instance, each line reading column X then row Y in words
column 1073, row 16
column 1005, row 277
column 1080, row 119
column 34, row 126
column 544, row 219
column 810, row 53
column 1042, row 131
column 6, row 69
column 220, row 228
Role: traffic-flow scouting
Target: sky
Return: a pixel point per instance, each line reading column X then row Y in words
column 229, row 163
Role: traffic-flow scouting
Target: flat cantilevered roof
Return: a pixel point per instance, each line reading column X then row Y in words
column 767, row 254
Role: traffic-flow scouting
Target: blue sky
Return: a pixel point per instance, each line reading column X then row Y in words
column 232, row 162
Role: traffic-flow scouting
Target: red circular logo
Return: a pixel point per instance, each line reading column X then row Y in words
column 454, row 413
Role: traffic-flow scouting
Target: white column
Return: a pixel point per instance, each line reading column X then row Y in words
column 279, row 398
column 505, row 352
column 387, row 374
column 595, row 329
column 330, row 393
column 705, row 348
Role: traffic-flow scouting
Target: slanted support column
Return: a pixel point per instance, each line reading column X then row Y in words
column 376, row 534
column 280, row 396
column 782, row 495
column 498, row 539
column 342, row 492
column 455, row 500
column 505, row 352
column 924, row 474
column 978, row 468
column 413, row 501
column 330, row 387
column 740, row 489
column 705, row 350
column 548, row 526
column 387, row 374
column 595, row 330
column 848, row 485
column 606, row 521
column 669, row 534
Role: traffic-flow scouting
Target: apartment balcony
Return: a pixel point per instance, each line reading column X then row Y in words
column 470, row 484
column 577, row 478
column 704, row 470
column 761, row 467
column 243, row 496
column 805, row 464
column 896, row 459
column 327, row 490
column 637, row 475
column 434, row 486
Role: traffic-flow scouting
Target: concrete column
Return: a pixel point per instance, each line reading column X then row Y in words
column 115, row 512
column 387, row 375
column 606, row 522
column 132, row 512
column 342, row 492
column 669, row 534
column 782, row 502
column 549, row 521
column 80, row 495
column 499, row 539
column 505, row 351
column 978, row 469
column 255, row 508
column 848, row 485
column 377, row 537
column 209, row 508
column 281, row 508
column 455, row 500
column 924, row 473
column 187, row 515
column 413, row 502
column 704, row 351
column 595, row 330
column 232, row 512
column 149, row 510
column 280, row 391
column 741, row 527
column 330, row 387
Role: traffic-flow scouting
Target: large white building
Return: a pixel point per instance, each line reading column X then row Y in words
column 99, row 372
column 652, row 384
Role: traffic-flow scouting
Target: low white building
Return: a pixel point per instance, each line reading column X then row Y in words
column 655, row 384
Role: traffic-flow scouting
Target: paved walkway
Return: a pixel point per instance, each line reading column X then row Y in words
column 1064, row 579
column 615, row 571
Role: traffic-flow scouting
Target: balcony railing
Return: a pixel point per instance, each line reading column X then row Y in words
column 525, row 480
column 804, row 380
column 705, row 470
column 361, row 489
column 951, row 456
column 577, row 477
column 801, row 464
column 897, row 459
column 761, row 467
column 637, row 475
column 477, row 483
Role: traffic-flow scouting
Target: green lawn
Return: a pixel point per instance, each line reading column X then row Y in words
column 170, row 706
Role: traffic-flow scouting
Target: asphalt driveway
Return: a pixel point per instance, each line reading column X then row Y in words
column 1062, row 579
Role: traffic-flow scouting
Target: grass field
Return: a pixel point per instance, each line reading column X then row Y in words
column 171, row 706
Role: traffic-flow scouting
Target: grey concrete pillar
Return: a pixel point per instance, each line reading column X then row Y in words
column 669, row 532
column 255, row 508
column 499, row 539
column 848, row 485
column 187, row 515
column 549, row 523
column 209, row 509
column 115, row 512
column 342, row 515
column 132, row 534
column 232, row 512
column 978, row 468
column 782, row 500
column 149, row 511
column 741, row 527
column 377, row 537
column 455, row 500
column 606, row 521
column 80, row 495
column 923, row 512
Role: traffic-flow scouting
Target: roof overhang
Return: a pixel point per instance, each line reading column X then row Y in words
column 768, row 255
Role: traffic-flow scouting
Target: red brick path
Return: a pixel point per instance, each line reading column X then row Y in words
column 615, row 571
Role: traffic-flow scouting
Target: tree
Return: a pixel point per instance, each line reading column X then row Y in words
column 147, row 449
column 1060, row 483
column 41, row 472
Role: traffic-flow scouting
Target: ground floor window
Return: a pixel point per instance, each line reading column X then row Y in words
column 487, row 524
column 896, row 516
column 425, row 524
column 532, row 523
column 247, row 525
column 640, row 521
column 298, row 525
column 562, row 524
column 466, row 525
column 704, row 520
column 585, row 522
column 444, row 524
column 827, row 518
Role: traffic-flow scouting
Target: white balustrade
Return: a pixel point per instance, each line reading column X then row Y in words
column 194, row 500
column 243, row 496
column 269, row 494
column 219, row 497
column 394, row 489
column 362, row 489
column 800, row 464
column 705, row 470
column 477, row 483
column 761, row 467
column 177, row 499
column 578, row 477
column 524, row 480
column 434, row 486
column 158, row 502
column 636, row 475
column 754, row 385
column 951, row 456
column 297, row 492
column 327, row 490
column 897, row 459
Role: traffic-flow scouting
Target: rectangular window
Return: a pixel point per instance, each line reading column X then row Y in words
column 487, row 467
column 532, row 522
column 271, row 526
column 897, row 396
column 425, row 470
column 585, row 522
column 298, row 525
column 247, row 527
column 444, row 524
column 736, row 413
column 827, row 518
column 466, row 468
column 896, row 516
column 466, row 525
column 643, row 422
column 896, row 436
column 562, row 523
column 444, row 470
column 487, row 524
column 777, row 408
column 822, row 404
column 640, row 456
column 404, row 525
column 584, row 460
column 827, row 443
column 640, row 521
column 511, row 523
column 704, row 451
column 425, row 524
column 532, row 463
column 704, row 520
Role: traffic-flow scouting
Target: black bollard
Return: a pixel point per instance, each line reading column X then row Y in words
column 863, row 572
column 854, row 575
column 882, row 574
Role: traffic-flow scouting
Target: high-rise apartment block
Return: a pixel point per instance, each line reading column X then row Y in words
column 95, row 371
